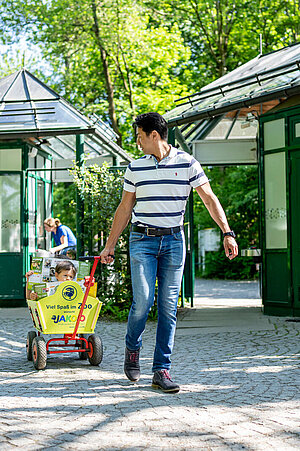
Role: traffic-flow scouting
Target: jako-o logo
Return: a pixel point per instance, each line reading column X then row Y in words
column 66, row 318
column 69, row 293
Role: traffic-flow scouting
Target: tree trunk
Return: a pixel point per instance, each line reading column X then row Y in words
column 108, row 82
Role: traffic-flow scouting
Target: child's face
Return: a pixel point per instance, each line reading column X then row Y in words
column 65, row 275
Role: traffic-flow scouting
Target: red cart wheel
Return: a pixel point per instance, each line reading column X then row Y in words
column 30, row 336
column 81, row 345
column 95, row 353
column 39, row 353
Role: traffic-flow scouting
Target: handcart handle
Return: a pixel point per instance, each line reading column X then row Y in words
column 92, row 257
column 88, row 257
column 90, row 283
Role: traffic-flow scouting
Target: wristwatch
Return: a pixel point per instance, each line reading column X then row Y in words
column 231, row 233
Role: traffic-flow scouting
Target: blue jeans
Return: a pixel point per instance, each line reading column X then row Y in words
column 152, row 258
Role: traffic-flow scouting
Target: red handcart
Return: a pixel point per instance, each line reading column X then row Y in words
column 58, row 314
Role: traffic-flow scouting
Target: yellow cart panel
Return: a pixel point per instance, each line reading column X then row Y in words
column 58, row 313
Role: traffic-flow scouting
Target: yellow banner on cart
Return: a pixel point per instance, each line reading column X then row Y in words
column 57, row 314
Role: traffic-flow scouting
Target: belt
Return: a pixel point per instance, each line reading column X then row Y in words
column 154, row 231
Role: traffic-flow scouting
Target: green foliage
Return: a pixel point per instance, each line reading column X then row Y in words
column 108, row 58
column 118, row 58
column 101, row 190
column 237, row 190
column 64, row 195
column 223, row 34
column 217, row 266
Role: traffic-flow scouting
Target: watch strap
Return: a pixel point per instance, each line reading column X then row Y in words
column 231, row 233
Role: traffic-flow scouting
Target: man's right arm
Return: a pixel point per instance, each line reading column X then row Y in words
column 121, row 219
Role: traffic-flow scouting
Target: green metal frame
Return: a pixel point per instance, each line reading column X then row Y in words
column 291, row 143
column 31, row 174
column 36, row 178
column 188, row 279
column 79, row 202
column 25, row 175
column 15, row 299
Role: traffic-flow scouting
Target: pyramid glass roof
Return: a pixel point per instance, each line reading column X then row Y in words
column 27, row 105
column 31, row 110
column 264, row 78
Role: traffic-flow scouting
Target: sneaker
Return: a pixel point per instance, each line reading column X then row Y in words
column 131, row 364
column 162, row 379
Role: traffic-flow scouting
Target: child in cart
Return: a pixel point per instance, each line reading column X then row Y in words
column 64, row 270
column 65, row 306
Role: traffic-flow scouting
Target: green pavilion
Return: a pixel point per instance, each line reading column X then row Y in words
column 252, row 116
column 41, row 134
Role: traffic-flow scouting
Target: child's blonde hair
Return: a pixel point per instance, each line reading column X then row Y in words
column 52, row 222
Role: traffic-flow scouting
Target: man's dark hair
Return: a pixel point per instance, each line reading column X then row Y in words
column 152, row 121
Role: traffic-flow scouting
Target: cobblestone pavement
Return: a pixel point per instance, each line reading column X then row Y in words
column 246, row 289
column 239, row 391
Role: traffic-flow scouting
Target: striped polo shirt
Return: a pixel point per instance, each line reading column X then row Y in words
column 162, row 188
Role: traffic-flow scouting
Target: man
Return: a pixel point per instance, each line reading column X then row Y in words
column 156, row 188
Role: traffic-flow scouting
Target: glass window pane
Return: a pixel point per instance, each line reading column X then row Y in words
column 297, row 130
column 17, row 116
column 243, row 129
column 40, row 162
column 10, row 159
column 57, row 145
column 275, row 201
column 274, row 137
column 31, row 214
column 57, row 115
column 220, row 130
column 31, row 162
column 10, row 213
column 41, row 244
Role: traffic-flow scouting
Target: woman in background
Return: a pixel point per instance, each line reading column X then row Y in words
column 63, row 236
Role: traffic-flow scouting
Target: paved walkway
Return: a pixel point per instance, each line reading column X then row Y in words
column 240, row 385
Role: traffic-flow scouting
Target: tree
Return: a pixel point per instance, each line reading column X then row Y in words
column 223, row 34
column 107, row 57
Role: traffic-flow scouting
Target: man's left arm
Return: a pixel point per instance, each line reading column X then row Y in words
column 217, row 213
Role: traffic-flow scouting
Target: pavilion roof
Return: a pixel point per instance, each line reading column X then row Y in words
column 29, row 109
column 268, row 77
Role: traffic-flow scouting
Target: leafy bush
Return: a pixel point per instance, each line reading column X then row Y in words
column 217, row 266
column 100, row 189
column 237, row 189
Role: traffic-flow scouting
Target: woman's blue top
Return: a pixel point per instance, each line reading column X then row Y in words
column 63, row 230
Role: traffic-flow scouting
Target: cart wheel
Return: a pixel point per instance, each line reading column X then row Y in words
column 39, row 353
column 95, row 352
column 82, row 355
column 30, row 336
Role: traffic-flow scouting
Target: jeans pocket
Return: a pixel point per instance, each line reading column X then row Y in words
column 178, row 236
column 135, row 236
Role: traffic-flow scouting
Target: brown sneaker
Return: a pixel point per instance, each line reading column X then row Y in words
column 162, row 379
column 131, row 365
